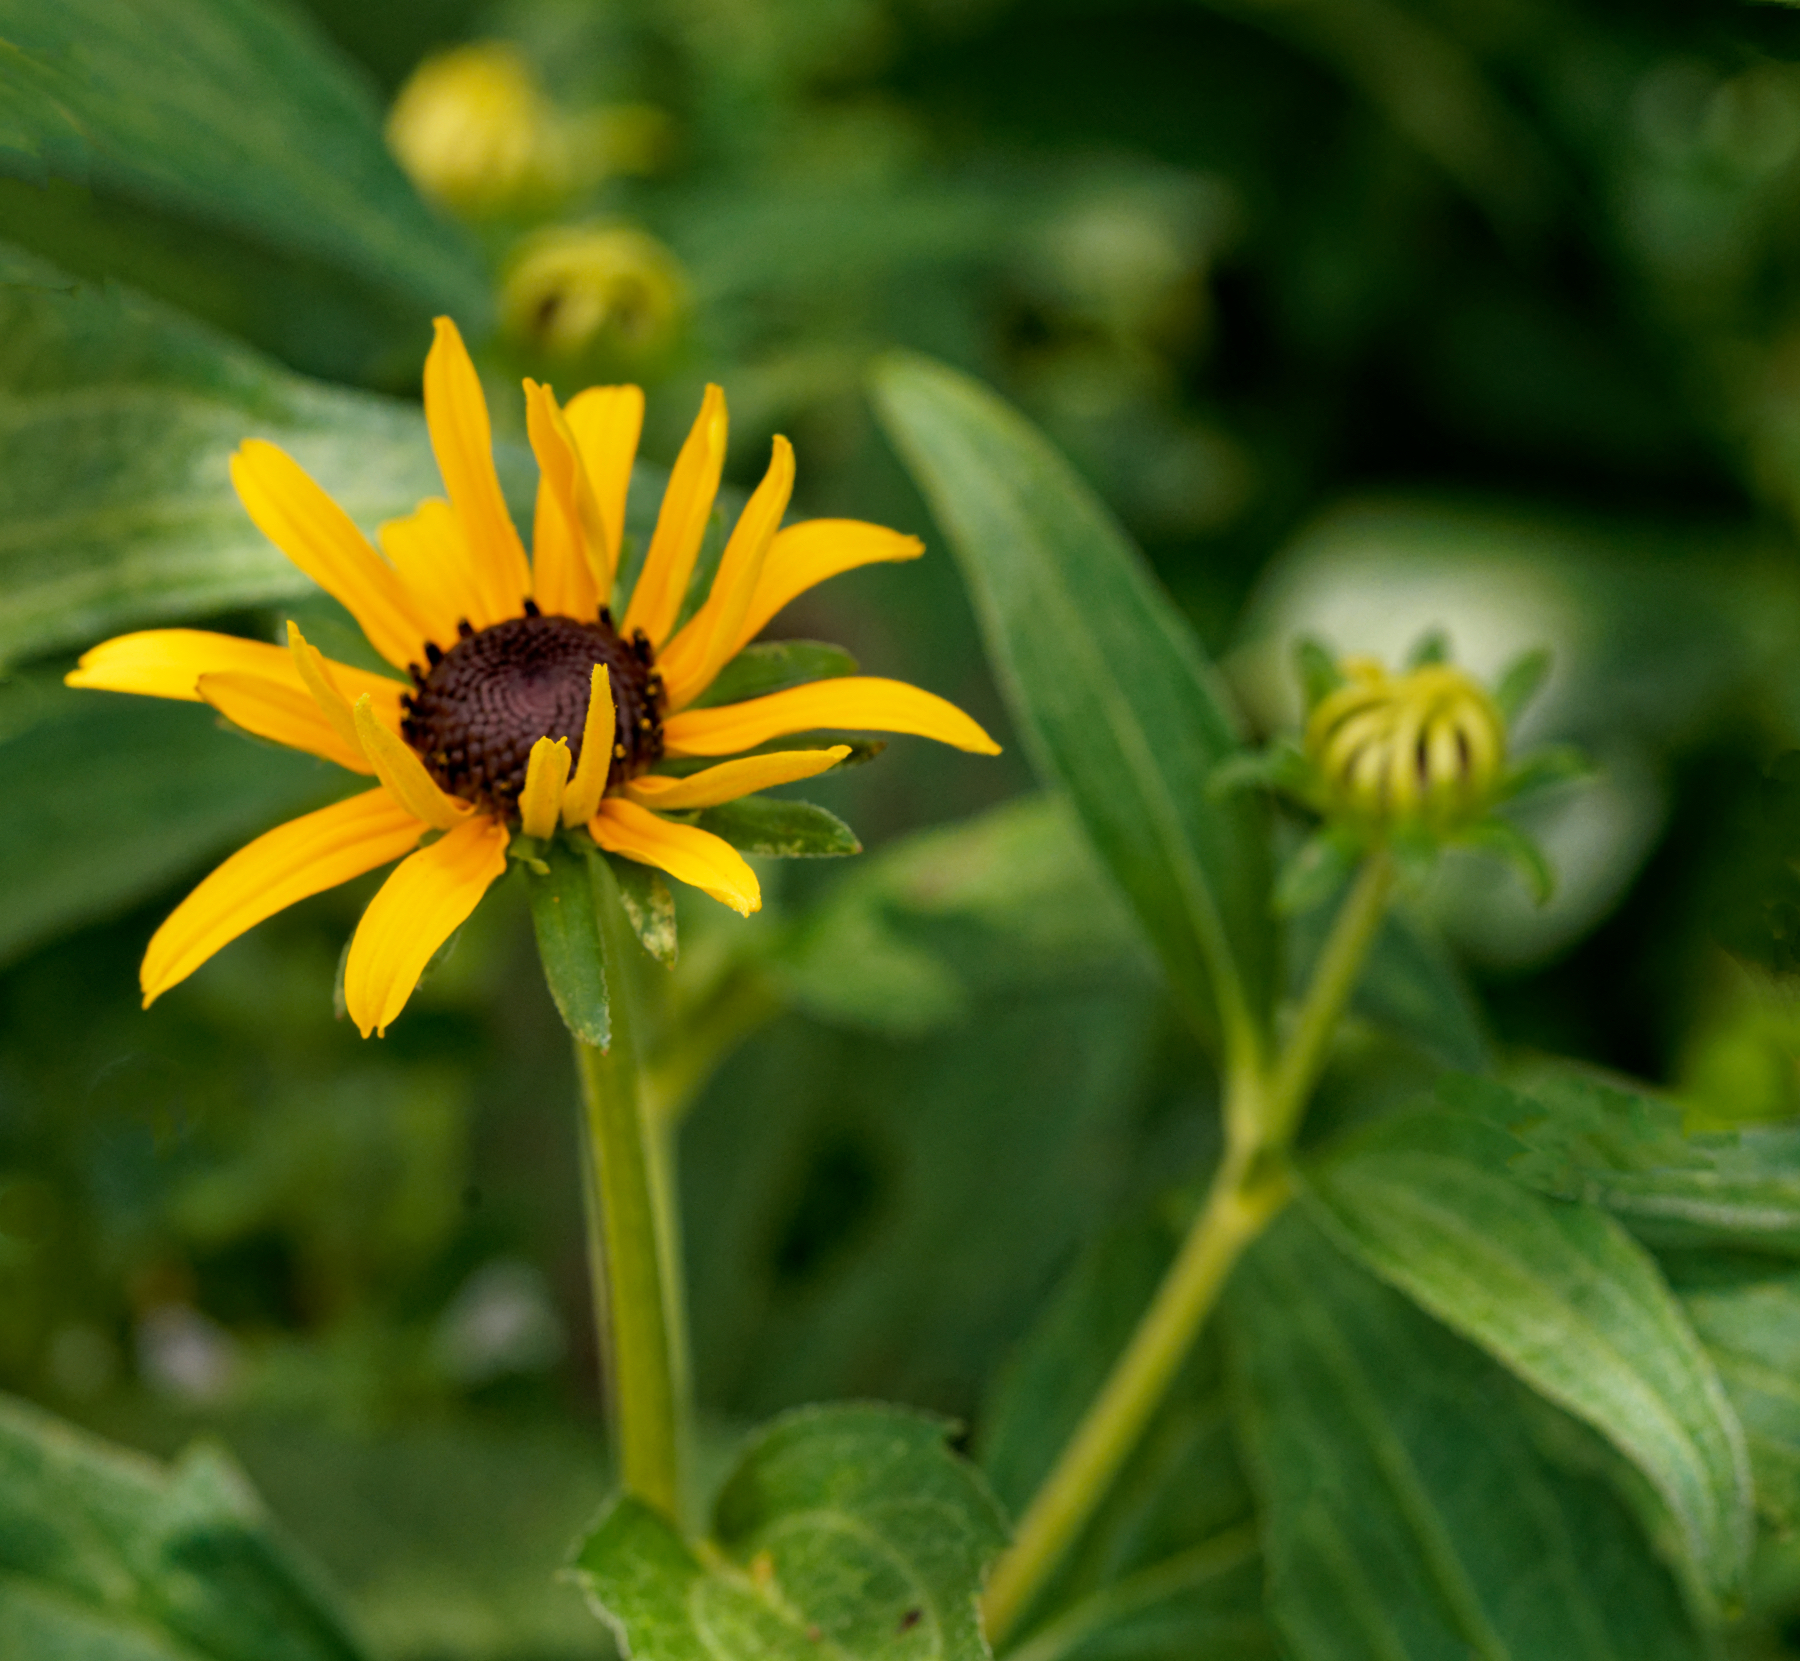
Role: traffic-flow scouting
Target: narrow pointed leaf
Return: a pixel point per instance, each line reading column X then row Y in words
column 772, row 666
column 1104, row 677
column 568, row 939
column 773, row 828
column 649, row 907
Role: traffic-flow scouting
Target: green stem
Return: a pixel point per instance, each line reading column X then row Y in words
column 631, row 1235
column 1262, row 1114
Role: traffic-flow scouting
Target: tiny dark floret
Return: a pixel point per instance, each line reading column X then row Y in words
column 474, row 716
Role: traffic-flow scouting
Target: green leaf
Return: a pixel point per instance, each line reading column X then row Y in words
column 1505, row 841
column 1407, row 1511
column 1104, row 677
column 1521, row 681
column 1316, row 871
column 1544, row 770
column 1317, row 671
column 649, row 907
column 771, row 665
column 106, row 1556
column 844, row 1530
column 1563, row 1296
column 123, row 795
column 777, row 829
column 1433, row 646
column 235, row 113
column 1750, row 1324
column 118, row 419
column 568, row 938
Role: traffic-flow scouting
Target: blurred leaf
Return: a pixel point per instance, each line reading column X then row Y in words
column 104, row 1556
column 774, row 828
column 568, row 939
column 1104, row 676
column 843, row 1528
column 125, row 794
column 1505, row 841
column 1563, row 1296
column 118, row 418
column 1406, row 1510
column 233, row 112
column 1317, row 670
column 771, row 665
column 649, row 907
column 1521, row 681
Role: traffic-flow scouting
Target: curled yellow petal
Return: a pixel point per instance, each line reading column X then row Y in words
column 404, row 774
column 715, row 632
column 283, row 713
column 680, row 525
column 806, row 554
column 686, row 852
column 431, row 553
column 581, row 800
column 428, row 897
column 315, row 673
column 567, row 540
column 732, row 779
column 606, row 422
column 862, row 703
column 168, row 663
column 305, row 856
column 463, row 442
column 540, row 803
column 319, row 537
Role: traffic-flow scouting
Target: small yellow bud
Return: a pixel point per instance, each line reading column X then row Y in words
column 475, row 131
column 1423, row 747
column 574, row 289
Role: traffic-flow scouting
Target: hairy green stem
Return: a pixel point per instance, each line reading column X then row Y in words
column 1262, row 1114
column 632, row 1232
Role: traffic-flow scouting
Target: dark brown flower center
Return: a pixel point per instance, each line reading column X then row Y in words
column 474, row 715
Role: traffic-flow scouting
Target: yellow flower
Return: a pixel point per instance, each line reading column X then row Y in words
column 571, row 287
column 1426, row 746
column 525, row 705
column 473, row 129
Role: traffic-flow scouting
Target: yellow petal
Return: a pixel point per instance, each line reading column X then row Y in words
column 463, row 442
column 860, row 702
column 540, row 803
column 282, row 712
column 599, row 734
column 691, row 855
column 568, row 540
column 429, row 897
column 606, row 421
column 404, row 774
column 732, row 779
column 804, row 555
column 714, row 633
column 680, row 525
column 305, row 856
column 431, row 554
column 315, row 674
column 168, row 663
column 319, row 537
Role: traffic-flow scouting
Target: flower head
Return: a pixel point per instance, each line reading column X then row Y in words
column 573, row 288
column 525, row 706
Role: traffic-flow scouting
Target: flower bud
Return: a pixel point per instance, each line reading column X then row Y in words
column 573, row 289
column 1425, row 747
column 474, row 130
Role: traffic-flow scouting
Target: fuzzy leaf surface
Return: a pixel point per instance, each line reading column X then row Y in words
column 844, row 1531
column 774, row 828
column 1104, row 677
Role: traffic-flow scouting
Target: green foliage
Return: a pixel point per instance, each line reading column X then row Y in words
column 649, row 907
column 847, row 1527
column 560, row 881
column 232, row 112
column 107, row 1557
column 1407, row 1510
column 774, row 828
column 773, row 665
column 1103, row 676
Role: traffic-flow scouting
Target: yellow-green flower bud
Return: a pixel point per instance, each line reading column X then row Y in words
column 474, row 130
column 1425, row 747
column 571, row 290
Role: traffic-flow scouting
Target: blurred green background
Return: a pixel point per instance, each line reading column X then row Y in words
column 1365, row 316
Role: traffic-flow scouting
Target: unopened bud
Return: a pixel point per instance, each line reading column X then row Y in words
column 571, row 290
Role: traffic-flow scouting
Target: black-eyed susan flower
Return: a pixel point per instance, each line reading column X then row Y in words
column 525, row 706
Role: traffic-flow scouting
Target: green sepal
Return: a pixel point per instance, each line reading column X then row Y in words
column 1433, row 646
column 1521, row 681
column 862, row 751
column 560, row 882
column 1317, row 671
column 649, row 907
column 1506, row 841
column 1320, row 866
column 773, row 666
column 775, row 829
column 1280, row 767
column 1543, row 770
